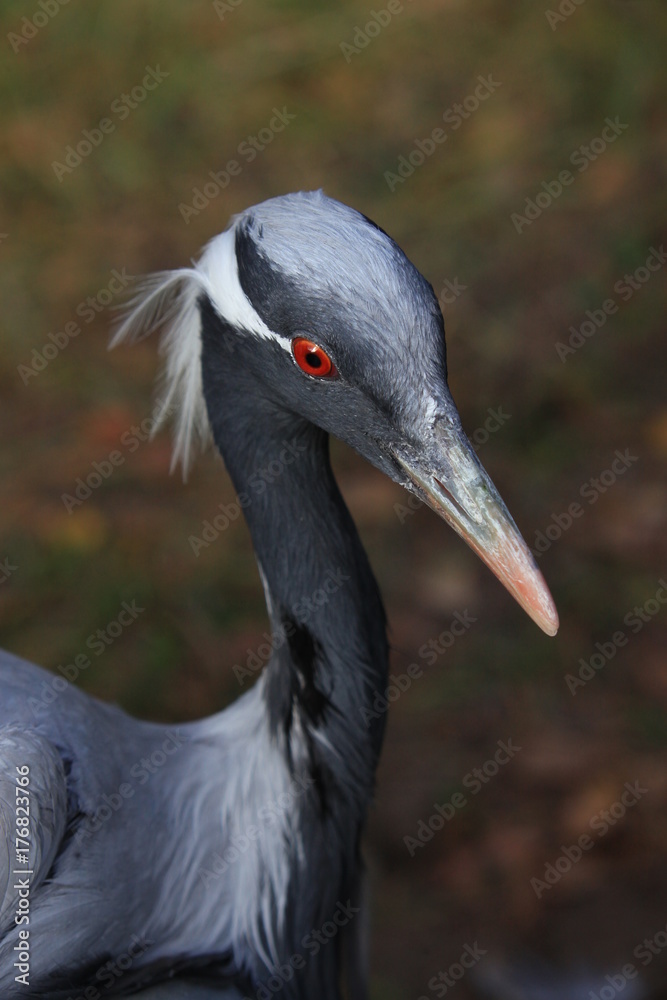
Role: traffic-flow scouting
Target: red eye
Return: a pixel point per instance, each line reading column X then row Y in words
column 311, row 359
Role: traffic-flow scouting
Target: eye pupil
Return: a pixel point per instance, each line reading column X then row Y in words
column 312, row 359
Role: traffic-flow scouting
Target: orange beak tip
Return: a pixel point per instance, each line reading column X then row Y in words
column 551, row 626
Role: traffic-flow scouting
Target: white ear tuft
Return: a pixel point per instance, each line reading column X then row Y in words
column 168, row 301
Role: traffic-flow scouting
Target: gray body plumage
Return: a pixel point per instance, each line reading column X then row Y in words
column 301, row 773
column 221, row 848
column 150, row 880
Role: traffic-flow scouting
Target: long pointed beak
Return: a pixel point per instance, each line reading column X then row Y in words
column 457, row 487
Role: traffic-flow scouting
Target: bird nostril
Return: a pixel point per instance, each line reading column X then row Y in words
column 452, row 499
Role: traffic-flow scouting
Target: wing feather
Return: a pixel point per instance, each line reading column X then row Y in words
column 46, row 790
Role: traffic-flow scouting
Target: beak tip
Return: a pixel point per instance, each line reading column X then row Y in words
column 551, row 627
column 489, row 530
column 529, row 588
column 546, row 616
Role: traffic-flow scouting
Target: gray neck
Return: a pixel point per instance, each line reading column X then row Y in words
column 330, row 649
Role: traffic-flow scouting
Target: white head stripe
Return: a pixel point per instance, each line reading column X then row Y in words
column 220, row 267
column 168, row 301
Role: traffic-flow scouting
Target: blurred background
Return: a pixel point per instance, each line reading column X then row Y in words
column 556, row 338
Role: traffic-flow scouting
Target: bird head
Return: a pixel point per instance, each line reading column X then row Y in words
column 339, row 327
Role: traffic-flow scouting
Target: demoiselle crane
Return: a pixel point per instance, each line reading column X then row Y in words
column 238, row 857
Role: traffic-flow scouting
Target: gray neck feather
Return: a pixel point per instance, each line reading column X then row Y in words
column 324, row 605
column 330, row 648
